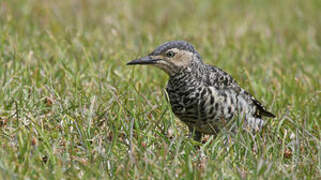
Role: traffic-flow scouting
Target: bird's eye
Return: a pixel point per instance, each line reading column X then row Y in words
column 170, row 54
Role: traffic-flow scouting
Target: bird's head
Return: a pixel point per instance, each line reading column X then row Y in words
column 171, row 57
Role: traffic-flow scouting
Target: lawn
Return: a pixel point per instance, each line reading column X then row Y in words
column 70, row 108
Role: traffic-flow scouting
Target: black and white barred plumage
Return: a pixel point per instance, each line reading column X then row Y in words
column 204, row 97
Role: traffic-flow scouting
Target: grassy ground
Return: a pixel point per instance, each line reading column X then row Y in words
column 71, row 108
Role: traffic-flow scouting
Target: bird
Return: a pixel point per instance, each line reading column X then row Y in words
column 203, row 96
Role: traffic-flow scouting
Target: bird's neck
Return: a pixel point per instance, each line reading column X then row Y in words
column 188, row 75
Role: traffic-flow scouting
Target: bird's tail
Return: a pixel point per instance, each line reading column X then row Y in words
column 254, row 123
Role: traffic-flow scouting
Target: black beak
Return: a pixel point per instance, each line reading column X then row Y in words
column 143, row 60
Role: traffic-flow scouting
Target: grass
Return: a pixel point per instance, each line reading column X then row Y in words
column 71, row 109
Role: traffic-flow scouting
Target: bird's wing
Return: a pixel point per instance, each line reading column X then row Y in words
column 261, row 111
column 219, row 79
column 222, row 80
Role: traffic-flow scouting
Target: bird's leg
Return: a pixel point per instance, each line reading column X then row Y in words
column 196, row 135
